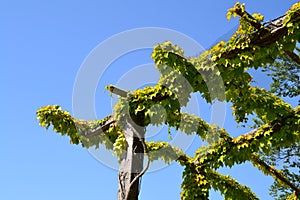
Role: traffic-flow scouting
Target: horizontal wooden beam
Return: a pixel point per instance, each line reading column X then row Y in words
column 117, row 91
column 273, row 31
column 100, row 129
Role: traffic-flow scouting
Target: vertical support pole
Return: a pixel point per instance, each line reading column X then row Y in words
column 132, row 162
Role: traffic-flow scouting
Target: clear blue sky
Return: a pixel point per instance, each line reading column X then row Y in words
column 43, row 45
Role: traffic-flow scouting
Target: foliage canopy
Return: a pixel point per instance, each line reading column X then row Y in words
column 271, row 47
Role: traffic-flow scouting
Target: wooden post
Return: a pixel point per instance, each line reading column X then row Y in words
column 131, row 165
column 132, row 162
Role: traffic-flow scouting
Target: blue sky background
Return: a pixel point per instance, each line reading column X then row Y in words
column 43, row 44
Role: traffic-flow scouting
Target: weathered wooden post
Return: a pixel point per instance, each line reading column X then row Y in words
column 131, row 165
